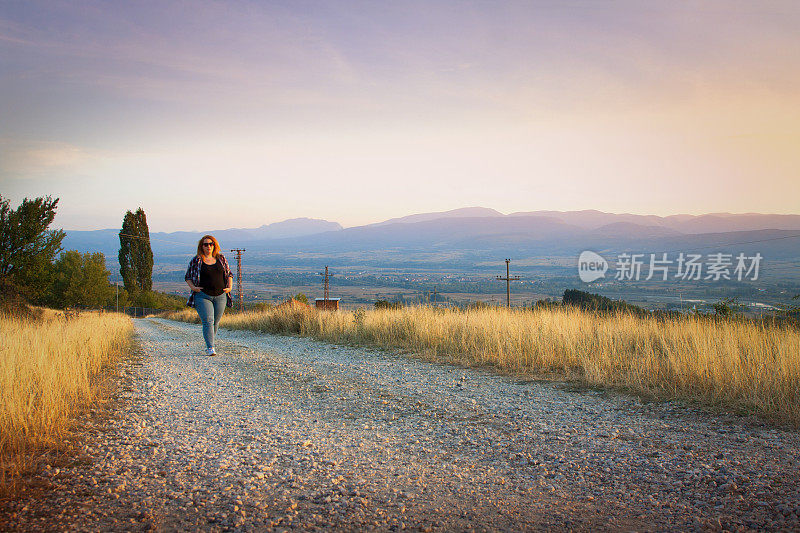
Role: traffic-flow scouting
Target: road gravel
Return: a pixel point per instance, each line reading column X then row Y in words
column 287, row 433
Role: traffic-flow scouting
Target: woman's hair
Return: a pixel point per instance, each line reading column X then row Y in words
column 215, row 253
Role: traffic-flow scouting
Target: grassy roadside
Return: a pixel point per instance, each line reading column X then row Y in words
column 733, row 364
column 50, row 369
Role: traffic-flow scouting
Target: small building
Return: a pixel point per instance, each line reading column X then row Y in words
column 331, row 304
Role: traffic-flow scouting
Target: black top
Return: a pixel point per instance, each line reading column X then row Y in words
column 212, row 278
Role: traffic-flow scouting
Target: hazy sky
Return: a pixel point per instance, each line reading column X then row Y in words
column 237, row 114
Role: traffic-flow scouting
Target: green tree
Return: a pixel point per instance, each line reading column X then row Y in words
column 727, row 308
column 81, row 280
column 135, row 254
column 301, row 297
column 27, row 247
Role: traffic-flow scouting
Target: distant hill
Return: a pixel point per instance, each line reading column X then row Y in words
column 533, row 235
column 107, row 240
column 689, row 224
column 631, row 230
column 477, row 233
column 464, row 212
column 295, row 227
column 442, row 233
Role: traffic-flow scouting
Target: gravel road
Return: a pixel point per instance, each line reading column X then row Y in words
column 284, row 433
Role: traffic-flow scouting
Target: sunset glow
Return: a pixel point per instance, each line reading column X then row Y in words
column 246, row 113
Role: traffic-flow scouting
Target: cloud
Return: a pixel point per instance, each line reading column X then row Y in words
column 139, row 51
column 152, row 98
column 267, row 56
column 32, row 159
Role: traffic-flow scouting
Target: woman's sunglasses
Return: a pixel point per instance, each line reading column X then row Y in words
column 208, row 244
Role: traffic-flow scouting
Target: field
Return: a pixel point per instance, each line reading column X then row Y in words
column 736, row 364
column 50, row 370
column 361, row 285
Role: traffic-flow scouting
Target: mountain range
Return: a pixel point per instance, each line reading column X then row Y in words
column 485, row 232
column 597, row 220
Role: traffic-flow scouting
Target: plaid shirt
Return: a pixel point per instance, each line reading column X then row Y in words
column 193, row 275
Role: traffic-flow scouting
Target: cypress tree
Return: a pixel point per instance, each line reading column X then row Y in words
column 135, row 254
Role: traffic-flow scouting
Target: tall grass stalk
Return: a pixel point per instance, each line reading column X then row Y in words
column 49, row 370
column 737, row 364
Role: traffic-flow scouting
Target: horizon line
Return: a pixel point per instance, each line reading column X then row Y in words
column 460, row 209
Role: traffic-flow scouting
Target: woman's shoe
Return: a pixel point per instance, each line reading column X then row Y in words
column 211, row 351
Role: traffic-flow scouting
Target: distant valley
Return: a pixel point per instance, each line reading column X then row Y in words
column 462, row 251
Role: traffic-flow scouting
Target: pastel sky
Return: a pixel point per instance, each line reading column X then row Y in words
column 236, row 114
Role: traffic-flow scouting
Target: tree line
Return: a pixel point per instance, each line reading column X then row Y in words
column 35, row 269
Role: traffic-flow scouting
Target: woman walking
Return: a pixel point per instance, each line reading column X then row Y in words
column 211, row 280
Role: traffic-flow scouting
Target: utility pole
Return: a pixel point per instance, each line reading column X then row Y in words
column 239, row 295
column 508, row 279
column 433, row 295
column 326, row 286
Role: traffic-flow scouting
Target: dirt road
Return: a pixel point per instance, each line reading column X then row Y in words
column 283, row 433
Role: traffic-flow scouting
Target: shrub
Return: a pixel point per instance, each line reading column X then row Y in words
column 301, row 297
column 386, row 304
column 596, row 302
column 727, row 308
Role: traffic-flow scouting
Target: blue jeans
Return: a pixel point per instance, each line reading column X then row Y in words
column 210, row 309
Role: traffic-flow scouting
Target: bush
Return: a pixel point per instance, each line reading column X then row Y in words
column 301, row 297
column 259, row 306
column 727, row 308
column 13, row 305
column 596, row 302
column 158, row 300
column 545, row 304
column 386, row 304
column 479, row 306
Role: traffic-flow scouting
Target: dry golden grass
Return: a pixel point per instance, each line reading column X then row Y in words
column 48, row 372
column 736, row 364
